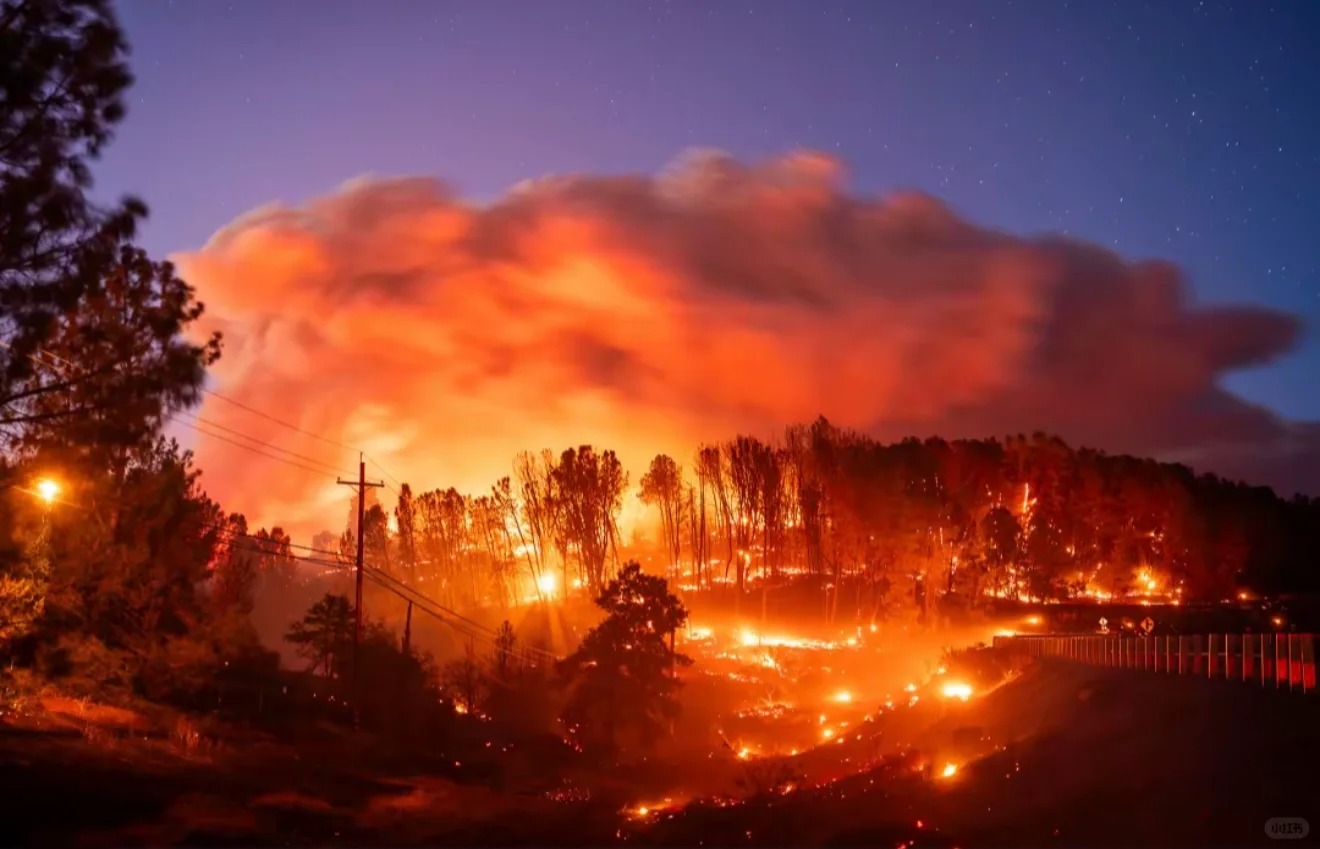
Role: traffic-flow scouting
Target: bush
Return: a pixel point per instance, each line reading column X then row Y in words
column 85, row 666
column 19, row 692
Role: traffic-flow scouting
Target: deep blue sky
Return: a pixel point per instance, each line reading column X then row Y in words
column 1183, row 130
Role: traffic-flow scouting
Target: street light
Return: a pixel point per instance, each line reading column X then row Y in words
column 48, row 490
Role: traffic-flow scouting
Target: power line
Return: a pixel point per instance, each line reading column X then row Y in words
column 384, row 471
column 324, row 468
column 239, row 404
column 278, row 421
column 258, row 451
column 378, row 576
column 270, row 445
column 464, row 625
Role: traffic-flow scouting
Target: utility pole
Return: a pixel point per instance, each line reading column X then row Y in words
column 407, row 631
column 360, row 485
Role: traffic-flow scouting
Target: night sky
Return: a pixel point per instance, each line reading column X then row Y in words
column 1182, row 130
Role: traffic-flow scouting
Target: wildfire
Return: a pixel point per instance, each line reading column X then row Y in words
column 643, row 811
column 843, row 697
column 949, row 771
column 750, row 638
column 828, row 734
column 957, row 690
column 547, row 584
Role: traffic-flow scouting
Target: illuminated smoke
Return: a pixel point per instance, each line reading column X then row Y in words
column 648, row 313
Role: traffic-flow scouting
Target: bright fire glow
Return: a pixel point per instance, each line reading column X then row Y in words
column 546, row 583
column 957, row 690
column 48, row 490
column 949, row 770
column 1033, row 620
column 828, row 733
column 843, row 697
column 750, row 638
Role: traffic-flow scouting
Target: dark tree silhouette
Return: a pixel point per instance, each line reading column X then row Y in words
column 68, row 278
column 622, row 677
column 236, row 567
column 324, row 635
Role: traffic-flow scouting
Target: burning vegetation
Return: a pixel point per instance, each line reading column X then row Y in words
column 760, row 632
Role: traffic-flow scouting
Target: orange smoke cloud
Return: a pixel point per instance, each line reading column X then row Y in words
column 646, row 314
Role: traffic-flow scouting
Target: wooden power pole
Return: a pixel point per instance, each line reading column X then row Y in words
column 360, row 485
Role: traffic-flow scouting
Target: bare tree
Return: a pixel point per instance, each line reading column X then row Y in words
column 405, row 517
column 662, row 486
column 535, row 476
column 713, row 478
column 590, row 488
column 515, row 527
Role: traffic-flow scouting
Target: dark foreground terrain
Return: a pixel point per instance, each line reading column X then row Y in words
column 1059, row 756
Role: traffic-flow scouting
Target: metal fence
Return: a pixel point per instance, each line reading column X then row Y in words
column 1282, row 661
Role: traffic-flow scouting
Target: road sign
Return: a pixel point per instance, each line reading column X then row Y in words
column 1104, row 625
column 1148, row 624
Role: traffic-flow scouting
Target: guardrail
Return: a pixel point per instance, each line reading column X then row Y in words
column 1284, row 661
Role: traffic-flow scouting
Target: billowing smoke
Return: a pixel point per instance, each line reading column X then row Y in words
column 648, row 313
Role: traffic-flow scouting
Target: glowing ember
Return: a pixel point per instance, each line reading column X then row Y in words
column 1033, row 620
column 949, row 770
column 828, row 733
column 911, row 688
column 744, row 753
column 957, row 690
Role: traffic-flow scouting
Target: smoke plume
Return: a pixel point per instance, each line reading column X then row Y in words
column 647, row 313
